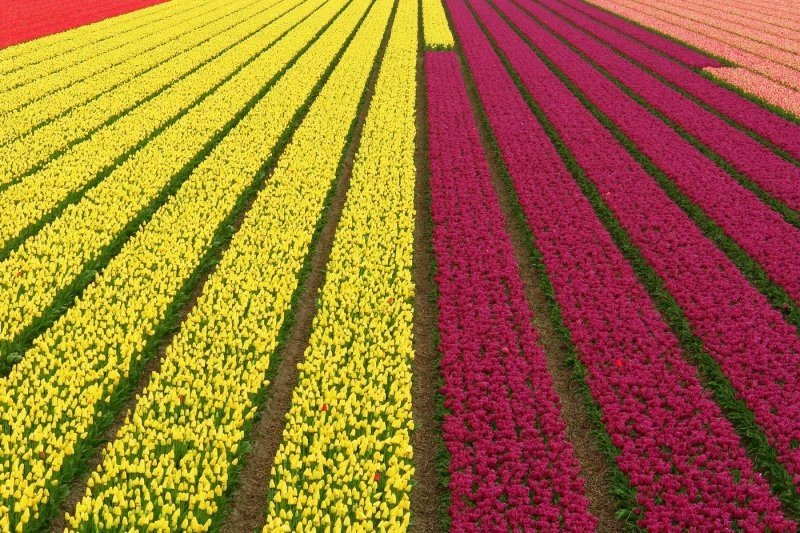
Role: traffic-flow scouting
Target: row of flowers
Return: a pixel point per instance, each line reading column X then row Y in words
column 768, row 25
column 102, row 36
column 98, row 92
column 779, row 131
column 664, row 45
column 512, row 467
column 753, row 344
column 752, row 159
column 435, row 29
column 345, row 459
column 48, row 262
column 97, row 133
column 58, row 394
column 716, row 22
column 32, row 19
column 767, row 90
column 773, row 65
column 32, row 83
column 759, row 230
column 680, row 454
column 171, row 461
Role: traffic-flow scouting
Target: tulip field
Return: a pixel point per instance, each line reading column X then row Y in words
column 390, row 265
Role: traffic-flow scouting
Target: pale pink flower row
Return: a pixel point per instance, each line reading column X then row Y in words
column 760, row 86
column 773, row 70
column 787, row 8
column 722, row 38
column 786, row 41
column 771, row 21
column 616, row 32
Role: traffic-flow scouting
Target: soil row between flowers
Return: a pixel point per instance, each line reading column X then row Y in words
column 247, row 509
column 520, row 58
column 430, row 496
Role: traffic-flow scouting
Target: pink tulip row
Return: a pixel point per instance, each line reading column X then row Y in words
column 756, row 228
column 764, row 88
column 722, row 39
column 778, row 11
column 779, row 66
column 680, row 454
column 754, row 346
column 725, row 15
column 716, row 21
column 512, row 467
column 779, row 131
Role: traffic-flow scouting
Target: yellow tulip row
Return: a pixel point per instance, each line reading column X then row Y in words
column 55, row 94
column 23, row 87
column 65, row 49
column 171, row 460
column 436, row 30
column 216, row 60
column 345, row 461
column 53, row 398
column 33, row 275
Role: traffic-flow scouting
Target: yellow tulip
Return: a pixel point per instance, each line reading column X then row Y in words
column 343, row 363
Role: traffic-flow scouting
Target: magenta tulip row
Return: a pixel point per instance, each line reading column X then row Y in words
column 754, row 160
column 775, row 129
column 677, row 449
column 653, row 40
column 512, row 467
column 756, row 228
column 756, row 349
